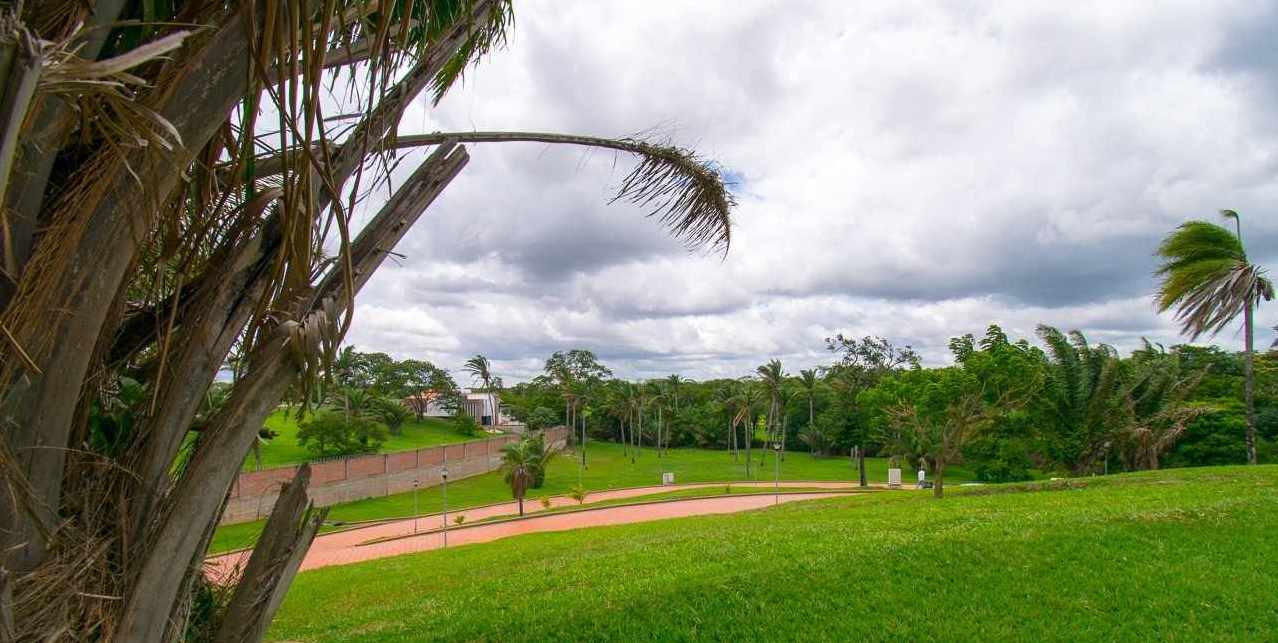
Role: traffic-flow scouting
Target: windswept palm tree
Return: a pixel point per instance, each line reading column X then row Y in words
column 1206, row 276
column 480, row 370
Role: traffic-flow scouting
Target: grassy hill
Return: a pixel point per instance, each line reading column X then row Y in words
column 608, row 468
column 1183, row 554
column 284, row 450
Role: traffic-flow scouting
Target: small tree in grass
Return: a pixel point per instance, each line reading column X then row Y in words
column 518, row 463
column 579, row 494
column 330, row 433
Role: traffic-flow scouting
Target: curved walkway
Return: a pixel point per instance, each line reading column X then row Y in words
column 396, row 537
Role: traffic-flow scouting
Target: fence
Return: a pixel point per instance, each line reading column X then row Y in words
column 371, row 476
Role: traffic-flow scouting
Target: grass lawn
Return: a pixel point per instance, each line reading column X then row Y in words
column 1184, row 554
column 284, row 450
column 608, row 468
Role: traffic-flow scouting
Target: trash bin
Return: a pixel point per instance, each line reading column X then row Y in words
column 667, row 478
column 894, row 478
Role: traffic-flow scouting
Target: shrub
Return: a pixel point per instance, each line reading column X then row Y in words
column 578, row 494
column 459, row 518
column 330, row 433
column 466, row 425
column 545, row 502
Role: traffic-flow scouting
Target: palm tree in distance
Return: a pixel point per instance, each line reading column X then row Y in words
column 771, row 375
column 519, row 464
column 808, row 380
column 480, row 370
column 749, row 398
column 1206, row 276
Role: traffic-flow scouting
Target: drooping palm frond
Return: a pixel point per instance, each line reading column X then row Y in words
column 687, row 194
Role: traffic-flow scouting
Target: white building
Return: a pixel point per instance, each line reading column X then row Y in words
column 476, row 404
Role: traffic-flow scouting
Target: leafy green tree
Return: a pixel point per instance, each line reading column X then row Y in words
column 541, row 418
column 1206, row 276
column 333, row 433
column 859, row 365
column 935, row 413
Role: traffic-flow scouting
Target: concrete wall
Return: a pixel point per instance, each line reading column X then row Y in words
column 370, row 476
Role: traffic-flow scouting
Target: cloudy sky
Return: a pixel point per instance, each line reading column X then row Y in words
column 910, row 170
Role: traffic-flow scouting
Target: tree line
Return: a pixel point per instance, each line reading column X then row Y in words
column 1006, row 407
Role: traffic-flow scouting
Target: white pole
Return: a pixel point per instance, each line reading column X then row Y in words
column 444, row 474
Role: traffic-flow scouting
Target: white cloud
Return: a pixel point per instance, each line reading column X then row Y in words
column 911, row 170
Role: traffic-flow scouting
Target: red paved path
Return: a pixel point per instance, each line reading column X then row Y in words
column 348, row 546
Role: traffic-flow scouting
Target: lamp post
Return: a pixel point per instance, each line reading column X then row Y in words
column 776, row 478
column 444, row 474
column 415, row 514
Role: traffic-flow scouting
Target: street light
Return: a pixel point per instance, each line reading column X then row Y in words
column 444, row 474
column 776, row 479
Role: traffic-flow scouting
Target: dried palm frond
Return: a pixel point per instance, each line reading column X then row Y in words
column 685, row 193
column 104, row 93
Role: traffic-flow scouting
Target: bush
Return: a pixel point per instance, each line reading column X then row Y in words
column 995, row 459
column 466, row 425
column 330, row 433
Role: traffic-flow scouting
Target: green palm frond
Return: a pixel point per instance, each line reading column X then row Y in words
column 1206, row 278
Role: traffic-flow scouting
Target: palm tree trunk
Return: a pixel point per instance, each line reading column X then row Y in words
column 661, row 425
column 731, row 439
column 1249, row 382
column 938, row 487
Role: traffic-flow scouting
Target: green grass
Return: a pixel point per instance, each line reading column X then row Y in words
column 608, row 468
column 284, row 450
column 1183, row 554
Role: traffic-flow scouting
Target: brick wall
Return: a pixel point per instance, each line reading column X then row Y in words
column 370, row 476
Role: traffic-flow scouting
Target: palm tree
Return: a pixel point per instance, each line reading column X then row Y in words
column 725, row 396
column 1083, row 392
column 808, row 380
column 392, row 413
column 658, row 394
column 749, row 399
column 519, row 464
column 1206, row 276
column 162, row 191
column 480, row 370
column 771, row 375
